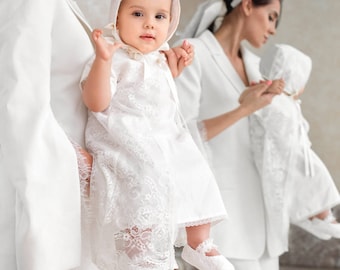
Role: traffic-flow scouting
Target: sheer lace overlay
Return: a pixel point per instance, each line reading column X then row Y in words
column 131, row 190
column 84, row 170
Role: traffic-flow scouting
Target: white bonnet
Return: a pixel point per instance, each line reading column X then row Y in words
column 206, row 13
column 286, row 62
column 175, row 15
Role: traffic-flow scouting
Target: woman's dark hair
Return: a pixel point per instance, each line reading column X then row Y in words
column 256, row 3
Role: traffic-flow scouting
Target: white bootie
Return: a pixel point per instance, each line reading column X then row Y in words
column 324, row 229
column 198, row 258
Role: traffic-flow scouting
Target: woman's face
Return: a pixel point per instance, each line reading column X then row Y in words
column 261, row 23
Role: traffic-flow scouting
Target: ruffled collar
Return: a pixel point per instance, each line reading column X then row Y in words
column 156, row 57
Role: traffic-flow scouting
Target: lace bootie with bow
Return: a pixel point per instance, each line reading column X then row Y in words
column 198, row 258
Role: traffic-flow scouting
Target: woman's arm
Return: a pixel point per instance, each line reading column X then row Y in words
column 252, row 99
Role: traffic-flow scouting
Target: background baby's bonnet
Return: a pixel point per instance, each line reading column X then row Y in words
column 282, row 61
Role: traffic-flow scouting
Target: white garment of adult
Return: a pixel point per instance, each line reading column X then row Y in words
column 209, row 87
column 43, row 49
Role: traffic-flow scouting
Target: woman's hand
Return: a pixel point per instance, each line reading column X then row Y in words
column 260, row 95
column 179, row 57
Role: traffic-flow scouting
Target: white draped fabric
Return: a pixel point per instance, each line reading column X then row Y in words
column 43, row 49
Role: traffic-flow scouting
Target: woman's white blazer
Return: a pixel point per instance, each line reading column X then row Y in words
column 43, row 49
column 208, row 88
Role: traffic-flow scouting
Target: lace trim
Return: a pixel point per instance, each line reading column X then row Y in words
column 181, row 239
column 84, row 171
column 203, row 131
column 204, row 221
column 83, row 168
column 206, row 246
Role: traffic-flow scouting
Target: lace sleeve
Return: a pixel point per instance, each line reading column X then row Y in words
column 202, row 131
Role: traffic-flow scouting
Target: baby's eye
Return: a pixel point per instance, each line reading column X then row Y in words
column 160, row 16
column 137, row 14
column 271, row 18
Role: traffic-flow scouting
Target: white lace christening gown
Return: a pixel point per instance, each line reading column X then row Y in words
column 296, row 183
column 148, row 175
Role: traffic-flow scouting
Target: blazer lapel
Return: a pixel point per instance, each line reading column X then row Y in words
column 222, row 61
column 252, row 65
column 251, row 62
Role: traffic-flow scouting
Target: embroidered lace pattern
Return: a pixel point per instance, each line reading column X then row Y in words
column 131, row 189
column 271, row 140
column 206, row 246
column 84, row 170
column 278, row 132
column 202, row 130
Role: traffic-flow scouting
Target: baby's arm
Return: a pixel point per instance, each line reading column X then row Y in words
column 179, row 57
column 96, row 87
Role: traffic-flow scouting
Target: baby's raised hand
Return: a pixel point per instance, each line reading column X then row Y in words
column 104, row 49
column 185, row 53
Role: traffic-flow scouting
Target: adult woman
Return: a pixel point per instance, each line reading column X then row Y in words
column 210, row 91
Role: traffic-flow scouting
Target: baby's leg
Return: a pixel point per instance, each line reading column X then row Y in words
column 322, row 225
column 197, row 235
column 323, row 215
column 201, row 252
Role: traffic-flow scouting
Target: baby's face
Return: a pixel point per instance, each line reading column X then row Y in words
column 144, row 24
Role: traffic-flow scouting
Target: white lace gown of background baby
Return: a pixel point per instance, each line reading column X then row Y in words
column 296, row 183
column 149, row 177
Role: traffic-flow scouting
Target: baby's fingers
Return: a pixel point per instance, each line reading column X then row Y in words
column 276, row 87
column 96, row 33
column 115, row 46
